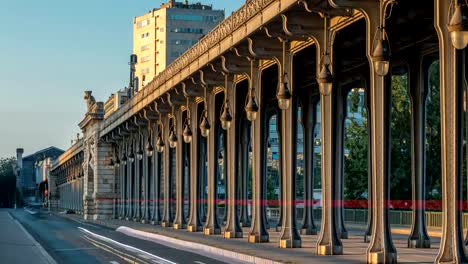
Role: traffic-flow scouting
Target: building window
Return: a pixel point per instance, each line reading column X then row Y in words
column 210, row 19
column 144, row 71
column 184, row 42
column 143, row 23
column 145, row 47
column 145, row 35
column 186, row 17
column 145, row 59
column 188, row 30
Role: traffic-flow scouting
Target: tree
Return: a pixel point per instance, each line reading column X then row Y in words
column 433, row 170
column 7, row 182
column 356, row 158
column 400, row 178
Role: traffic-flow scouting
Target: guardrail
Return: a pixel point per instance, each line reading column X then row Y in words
column 359, row 216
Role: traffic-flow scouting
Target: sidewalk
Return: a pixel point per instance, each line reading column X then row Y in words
column 354, row 248
column 17, row 245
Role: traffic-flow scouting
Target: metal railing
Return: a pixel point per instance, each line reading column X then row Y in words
column 359, row 216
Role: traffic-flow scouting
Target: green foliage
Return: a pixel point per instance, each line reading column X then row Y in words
column 433, row 169
column 356, row 160
column 7, row 182
column 400, row 179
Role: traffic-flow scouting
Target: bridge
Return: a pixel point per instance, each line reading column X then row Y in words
column 146, row 161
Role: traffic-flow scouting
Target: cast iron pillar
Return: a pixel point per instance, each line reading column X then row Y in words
column 233, row 228
column 370, row 206
column 138, row 176
column 328, row 242
column 244, row 159
column 451, row 121
column 166, row 158
column 258, row 232
column 418, row 88
column 156, row 176
column 290, row 237
column 194, row 223
column 144, row 173
column 340, row 106
column 309, row 120
column 180, row 220
column 212, row 225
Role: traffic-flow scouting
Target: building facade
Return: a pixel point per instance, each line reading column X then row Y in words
column 164, row 33
column 32, row 171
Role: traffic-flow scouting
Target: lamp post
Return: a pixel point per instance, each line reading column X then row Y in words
column 283, row 93
column 325, row 76
column 187, row 134
column 204, row 123
column 226, row 117
column 251, row 107
column 458, row 25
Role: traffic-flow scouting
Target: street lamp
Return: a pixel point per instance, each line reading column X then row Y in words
column 187, row 134
column 131, row 155
column 149, row 147
column 325, row 76
column 204, row 123
column 283, row 93
column 382, row 54
column 458, row 26
column 251, row 107
column 226, row 117
column 173, row 133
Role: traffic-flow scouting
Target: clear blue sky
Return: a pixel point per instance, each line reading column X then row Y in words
column 53, row 50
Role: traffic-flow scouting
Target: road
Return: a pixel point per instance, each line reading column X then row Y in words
column 71, row 242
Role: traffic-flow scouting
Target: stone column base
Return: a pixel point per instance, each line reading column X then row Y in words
column 290, row 243
column 194, row 228
column 258, row 238
column 232, row 234
column 329, row 250
column 166, row 224
column 381, row 257
column 211, row 231
column 180, row 226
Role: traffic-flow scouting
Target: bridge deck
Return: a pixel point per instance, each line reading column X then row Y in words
column 354, row 247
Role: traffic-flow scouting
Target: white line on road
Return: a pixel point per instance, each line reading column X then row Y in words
column 113, row 262
column 199, row 262
column 128, row 247
column 74, row 249
column 30, row 212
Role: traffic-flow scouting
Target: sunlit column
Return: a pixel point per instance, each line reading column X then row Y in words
column 451, row 121
column 258, row 232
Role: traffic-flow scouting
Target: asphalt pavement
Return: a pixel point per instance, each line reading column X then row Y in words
column 68, row 241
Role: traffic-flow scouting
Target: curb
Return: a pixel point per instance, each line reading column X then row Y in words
column 197, row 248
column 44, row 253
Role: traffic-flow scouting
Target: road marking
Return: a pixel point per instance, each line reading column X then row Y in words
column 74, row 249
column 126, row 257
column 128, row 247
column 199, row 262
column 113, row 262
column 30, row 212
